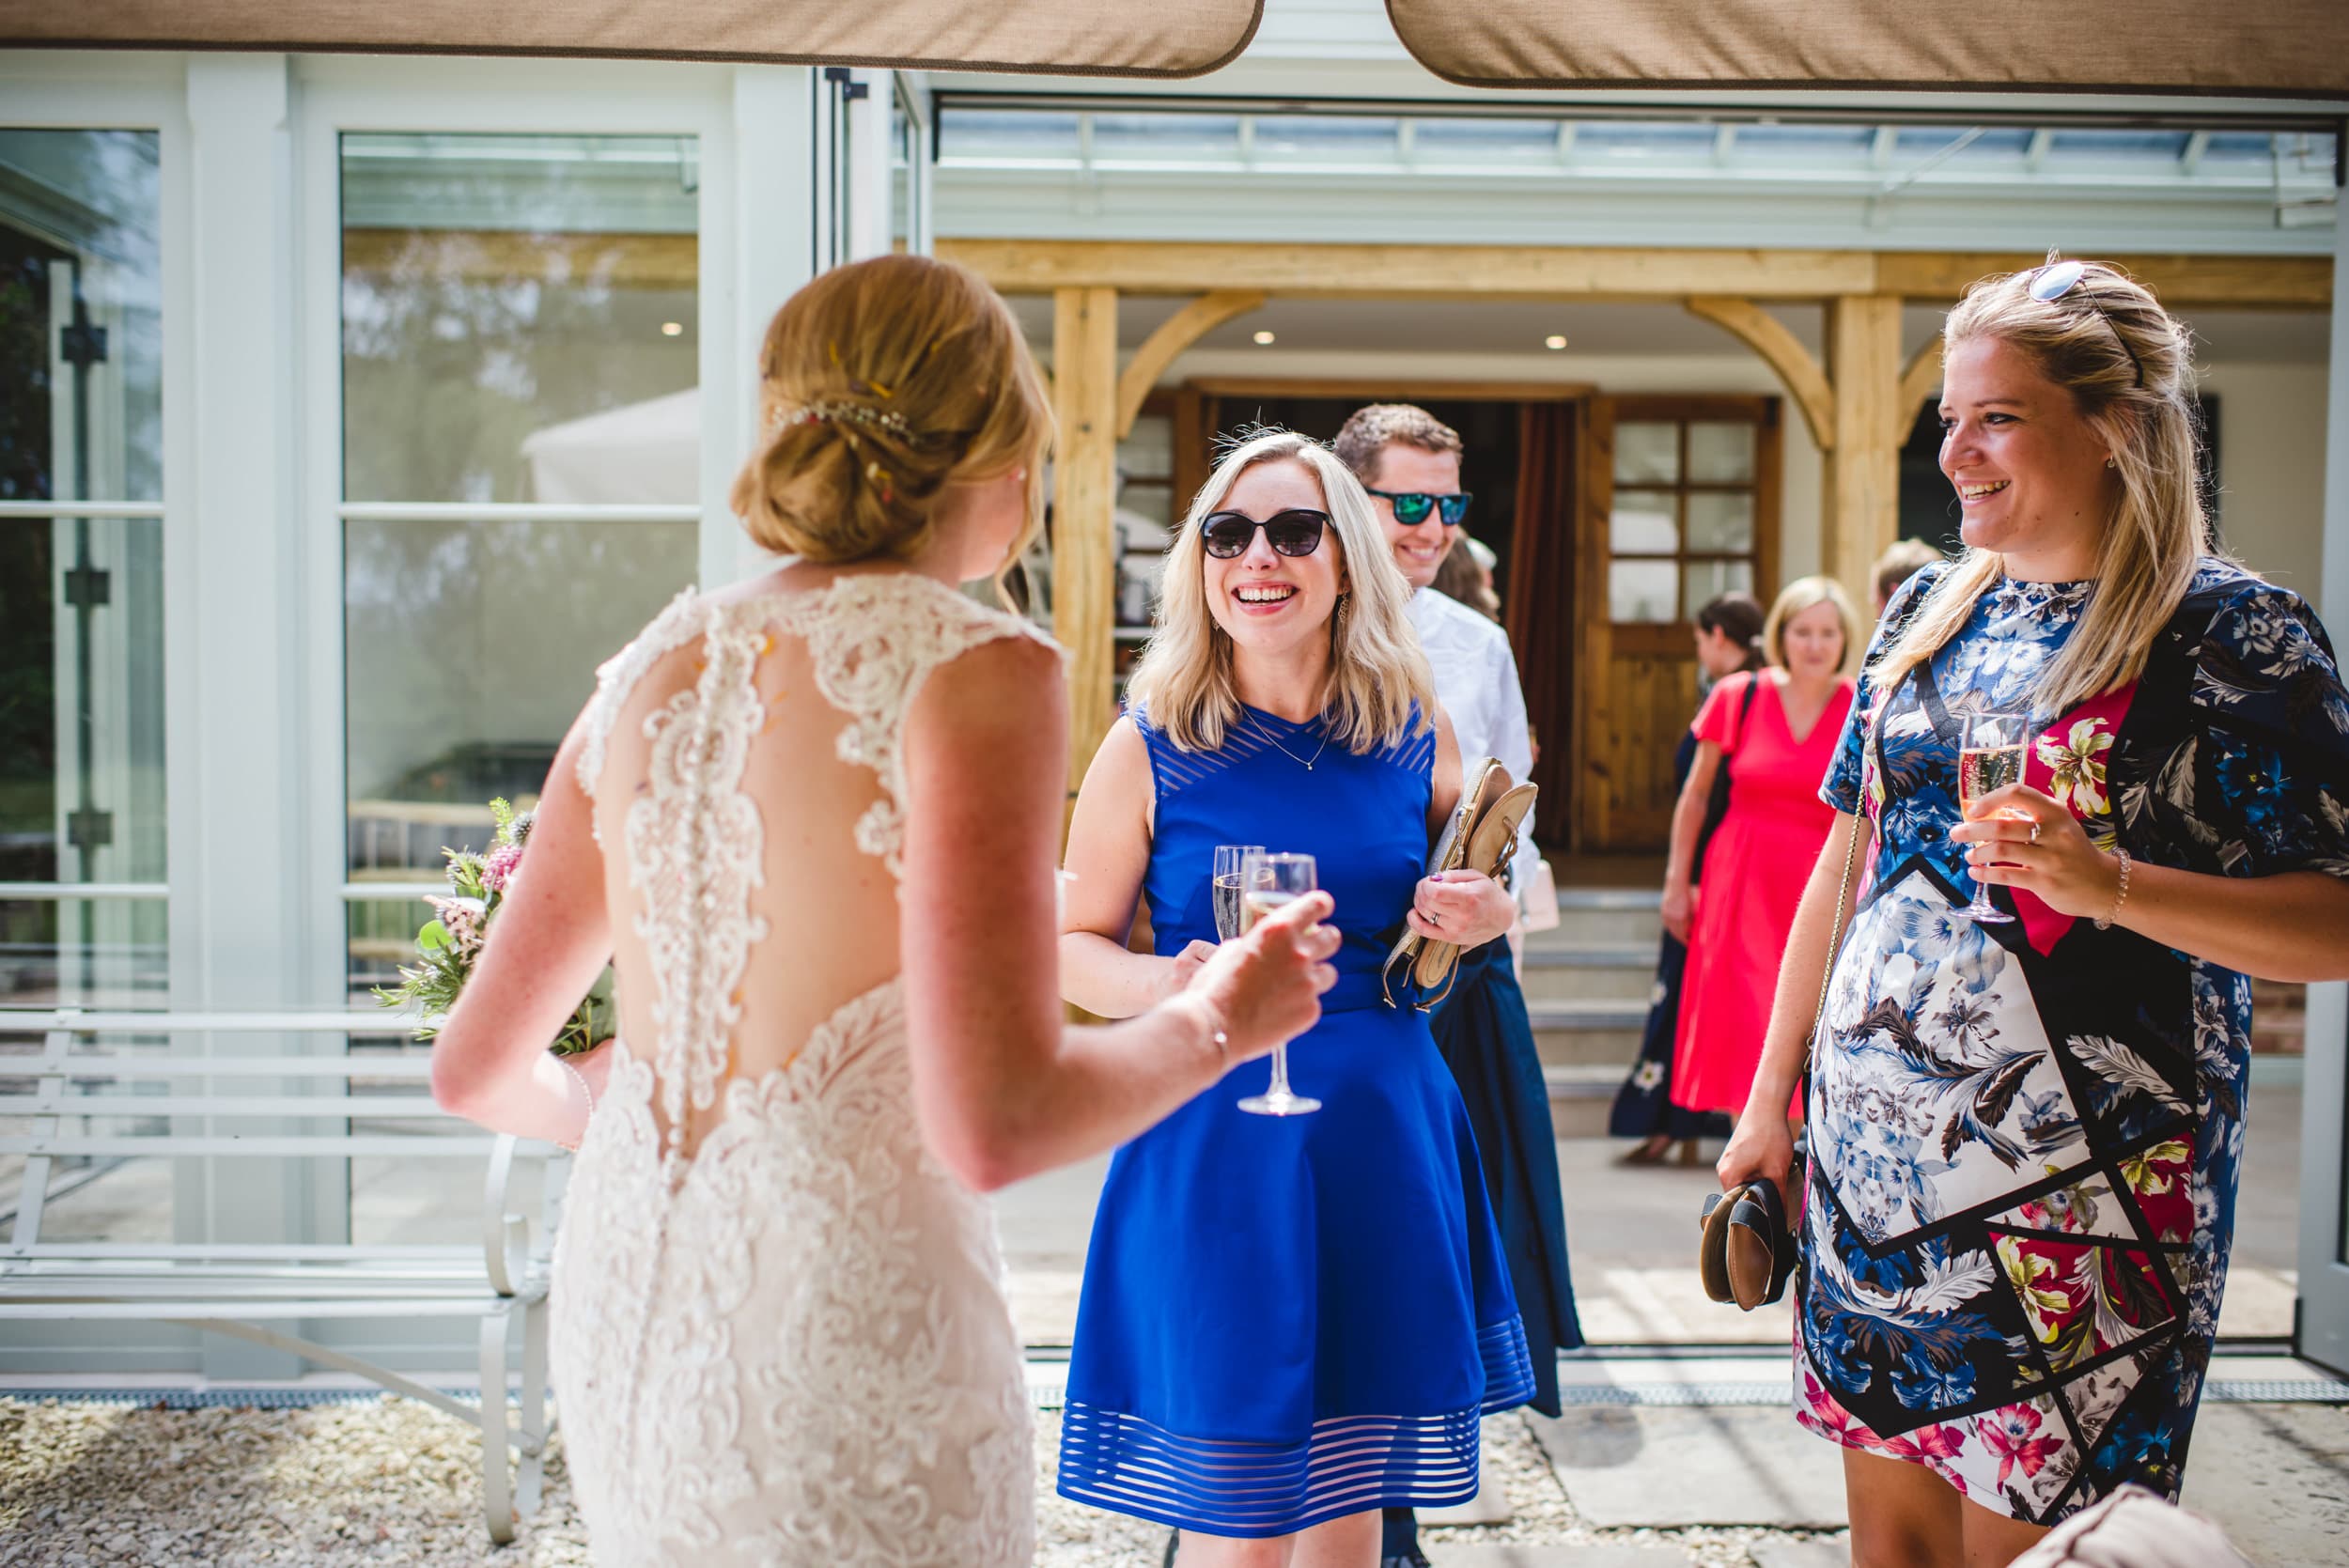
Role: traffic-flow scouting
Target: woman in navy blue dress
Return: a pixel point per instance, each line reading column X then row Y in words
column 1288, row 1323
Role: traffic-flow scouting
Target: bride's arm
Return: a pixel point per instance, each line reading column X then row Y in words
column 549, row 943
column 1004, row 1086
column 1108, row 853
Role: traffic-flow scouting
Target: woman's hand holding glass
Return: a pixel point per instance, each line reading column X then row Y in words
column 2025, row 838
column 1466, row 908
column 1264, row 988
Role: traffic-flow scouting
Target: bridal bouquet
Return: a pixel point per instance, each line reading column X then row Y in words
column 450, row 943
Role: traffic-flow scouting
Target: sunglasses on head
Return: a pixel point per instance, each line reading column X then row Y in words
column 1412, row 506
column 1296, row 530
column 2059, row 278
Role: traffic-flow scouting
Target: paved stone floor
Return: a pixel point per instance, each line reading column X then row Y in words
column 1656, row 1483
column 1631, row 1236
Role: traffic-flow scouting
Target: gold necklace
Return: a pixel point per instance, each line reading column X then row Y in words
column 1306, row 765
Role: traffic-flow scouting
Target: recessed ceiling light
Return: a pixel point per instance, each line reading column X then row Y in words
column 1264, row 340
column 673, row 329
column 1555, row 341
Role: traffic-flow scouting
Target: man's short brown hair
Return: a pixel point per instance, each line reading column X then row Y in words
column 1373, row 429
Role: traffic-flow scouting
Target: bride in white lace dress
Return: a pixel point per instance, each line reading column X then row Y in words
column 812, row 822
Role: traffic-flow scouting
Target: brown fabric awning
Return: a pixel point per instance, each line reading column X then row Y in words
column 1098, row 38
column 2297, row 48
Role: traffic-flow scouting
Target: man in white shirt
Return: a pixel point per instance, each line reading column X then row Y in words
column 1409, row 461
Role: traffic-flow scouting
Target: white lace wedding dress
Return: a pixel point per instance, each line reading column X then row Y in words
column 779, row 1327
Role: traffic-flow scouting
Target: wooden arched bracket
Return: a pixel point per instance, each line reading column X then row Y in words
column 1186, row 327
column 1919, row 380
column 1804, row 377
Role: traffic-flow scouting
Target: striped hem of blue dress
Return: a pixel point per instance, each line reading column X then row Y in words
column 1349, row 1465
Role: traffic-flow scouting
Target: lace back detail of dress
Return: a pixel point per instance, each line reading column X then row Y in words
column 696, row 844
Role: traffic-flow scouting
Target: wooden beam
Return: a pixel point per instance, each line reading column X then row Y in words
column 2182, row 282
column 1804, row 377
column 1863, row 493
column 1162, row 348
column 496, row 256
column 1920, row 379
column 1389, row 389
column 1429, row 272
column 1084, row 496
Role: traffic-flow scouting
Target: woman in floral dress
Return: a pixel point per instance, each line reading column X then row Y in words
column 2025, row 1138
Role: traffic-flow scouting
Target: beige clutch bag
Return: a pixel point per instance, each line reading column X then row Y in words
column 1480, row 836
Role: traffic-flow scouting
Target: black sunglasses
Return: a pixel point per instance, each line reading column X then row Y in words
column 2058, row 278
column 1296, row 530
column 1412, row 506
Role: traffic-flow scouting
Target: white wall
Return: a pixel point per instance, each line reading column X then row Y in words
column 2271, row 467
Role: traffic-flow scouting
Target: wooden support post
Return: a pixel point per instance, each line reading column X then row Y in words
column 1084, row 496
column 1862, row 500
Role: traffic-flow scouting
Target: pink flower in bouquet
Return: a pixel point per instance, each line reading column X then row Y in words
column 461, row 919
column 498, row 869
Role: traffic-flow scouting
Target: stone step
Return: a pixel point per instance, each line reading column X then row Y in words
column 1600, row 917
column 1588, row 1031
column 1613, row 1048
column 1622, row 971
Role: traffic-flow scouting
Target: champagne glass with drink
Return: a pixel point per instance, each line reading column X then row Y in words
column 1228, row 859
column 1990, row 757
column 1267, row 882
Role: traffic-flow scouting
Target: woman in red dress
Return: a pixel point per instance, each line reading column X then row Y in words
column 1775, row 731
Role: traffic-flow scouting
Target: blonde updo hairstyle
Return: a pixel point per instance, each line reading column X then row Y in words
column 2092, row 341
column 1184, row 680
column 881, row 382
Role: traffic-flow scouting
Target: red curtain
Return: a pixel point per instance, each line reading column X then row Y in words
column 1539, row 612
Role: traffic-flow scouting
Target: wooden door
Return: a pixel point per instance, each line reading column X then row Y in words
column 1679, row 502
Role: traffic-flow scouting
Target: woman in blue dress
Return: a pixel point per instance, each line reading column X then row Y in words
column 1287, row 1323
column 2026, row 1135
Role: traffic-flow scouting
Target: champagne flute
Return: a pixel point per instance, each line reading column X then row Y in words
column 1990, row 756
column 1267, row 882
column 1228, row 861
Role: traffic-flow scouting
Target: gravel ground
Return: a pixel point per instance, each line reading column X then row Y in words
column 393, row 1482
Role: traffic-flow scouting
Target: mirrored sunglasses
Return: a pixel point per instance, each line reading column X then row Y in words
column 1412, row 506
column 1294, row 531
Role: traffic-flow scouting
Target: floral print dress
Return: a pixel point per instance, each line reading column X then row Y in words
column 2025, row 1139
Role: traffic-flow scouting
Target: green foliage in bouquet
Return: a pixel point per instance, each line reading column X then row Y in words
column 451, row 942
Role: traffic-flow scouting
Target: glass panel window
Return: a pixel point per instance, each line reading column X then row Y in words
column 1721, row 521
column 1703, row 579
column 1644, row 522
column 520, row 325
column 1647, row 454
column 1642, row 591
column 1720, row 454
column 519, row 319
column 82, row 786
column 1692, row 528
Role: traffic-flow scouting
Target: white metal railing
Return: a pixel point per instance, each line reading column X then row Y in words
column 245, row 1289
column 54, row 892
column 68, row 510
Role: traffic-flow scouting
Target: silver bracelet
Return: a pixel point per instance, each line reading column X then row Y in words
column 581, row 1078
column 2121, row 896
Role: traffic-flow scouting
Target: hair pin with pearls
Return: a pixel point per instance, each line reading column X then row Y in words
column 850, row 413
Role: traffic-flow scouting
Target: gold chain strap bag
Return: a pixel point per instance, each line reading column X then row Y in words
column 1482, row 835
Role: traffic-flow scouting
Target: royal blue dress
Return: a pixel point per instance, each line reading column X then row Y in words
column 1286, row 1320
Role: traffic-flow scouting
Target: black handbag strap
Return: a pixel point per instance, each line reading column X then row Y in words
column 1718, row 804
